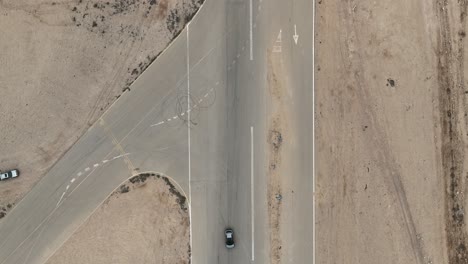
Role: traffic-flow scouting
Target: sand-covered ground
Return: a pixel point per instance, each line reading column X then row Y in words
column 391, row 108
column 144, row 221
column 62, row 64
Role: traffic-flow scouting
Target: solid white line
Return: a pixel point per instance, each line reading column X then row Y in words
column 251, row 34
column 313, row 133
column 188, row 137
column 252, row 191
column 61, row 197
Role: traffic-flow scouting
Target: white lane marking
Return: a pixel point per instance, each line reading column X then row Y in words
column 105, row 161
column 201, row 100
column 182, row 114
column 87, row 169
column 188, row 135
column 252, row 191
column 169, row 119
column 238, row 55
column 243, row 48
column 73, row 180
column 160, row 123
column 278, row 43
column 217, row 83
column 33, row 245
column 68, row 186
column 175, row 117
column 96, row 165
column 206, row 95
column 313, row 132
column 79, row 174
column 120, row 156
column 251, row 33
column 61, row 197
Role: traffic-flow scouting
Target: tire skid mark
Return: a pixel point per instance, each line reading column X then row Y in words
column 450, row 68
column 384, row 156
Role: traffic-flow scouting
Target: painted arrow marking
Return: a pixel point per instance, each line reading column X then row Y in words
column 295, row 36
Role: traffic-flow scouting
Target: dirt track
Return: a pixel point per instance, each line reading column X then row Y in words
column 453, row 106
column 392, row 132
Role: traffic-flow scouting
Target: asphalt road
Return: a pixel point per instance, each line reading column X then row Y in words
column 190, row 116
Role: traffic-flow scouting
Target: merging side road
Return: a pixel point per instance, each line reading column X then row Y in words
column 197, row 115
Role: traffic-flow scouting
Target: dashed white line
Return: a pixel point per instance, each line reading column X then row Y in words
column 175, row 117
column 182, row 114
column 160, row 123
column 61, row 197
column 79, row 174
column 217, row 83
column 73, row 180
column 68, row 186
column 119, row 156
column 206, row 95
column 87, row 169
column 169, row 119
column 96, row 165
column 252, row 212
column 251, row 33
column 105, row 161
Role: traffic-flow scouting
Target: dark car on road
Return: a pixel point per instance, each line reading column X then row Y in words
column 229, row 234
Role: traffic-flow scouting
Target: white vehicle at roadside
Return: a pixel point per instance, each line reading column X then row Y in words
column 9, row 174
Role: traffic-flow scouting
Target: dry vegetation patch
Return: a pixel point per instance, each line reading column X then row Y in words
column 144, row 221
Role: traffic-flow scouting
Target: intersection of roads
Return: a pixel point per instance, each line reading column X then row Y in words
column 197, row 115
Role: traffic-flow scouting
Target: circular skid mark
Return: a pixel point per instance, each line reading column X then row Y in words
column 182, row 105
